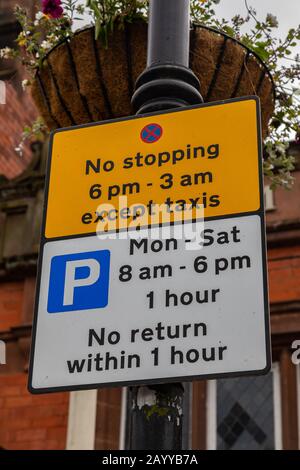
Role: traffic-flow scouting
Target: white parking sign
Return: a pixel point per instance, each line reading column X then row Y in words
column 153, row 258
column 121, row 311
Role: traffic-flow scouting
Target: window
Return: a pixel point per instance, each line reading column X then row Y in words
column 244, row 413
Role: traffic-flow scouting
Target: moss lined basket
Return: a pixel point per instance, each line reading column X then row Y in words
column 82, row 81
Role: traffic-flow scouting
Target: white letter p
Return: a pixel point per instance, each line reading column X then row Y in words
column 71, row 283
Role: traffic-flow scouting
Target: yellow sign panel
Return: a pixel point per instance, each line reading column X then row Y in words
column 207, row 155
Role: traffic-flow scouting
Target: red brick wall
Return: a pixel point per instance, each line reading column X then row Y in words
column 26, row 421
column 284, row 274
column 286, row 203
column 18, row 111
column 11, row 301
column 31, row 422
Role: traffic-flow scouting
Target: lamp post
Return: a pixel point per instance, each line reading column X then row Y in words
column 156, row 411
column 167, row 81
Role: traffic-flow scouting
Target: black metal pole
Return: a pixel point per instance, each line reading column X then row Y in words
column 167, row 81
column 156, row 415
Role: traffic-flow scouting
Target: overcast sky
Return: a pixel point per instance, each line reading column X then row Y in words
column 287, row 11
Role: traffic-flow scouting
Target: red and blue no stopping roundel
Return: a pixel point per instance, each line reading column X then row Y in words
column 151, row 133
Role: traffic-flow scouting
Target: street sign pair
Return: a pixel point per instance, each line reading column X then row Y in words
column 153, row 260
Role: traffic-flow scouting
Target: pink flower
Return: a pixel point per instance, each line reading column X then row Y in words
column 52, row 8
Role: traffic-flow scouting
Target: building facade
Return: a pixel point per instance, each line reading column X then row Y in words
column 243, row 413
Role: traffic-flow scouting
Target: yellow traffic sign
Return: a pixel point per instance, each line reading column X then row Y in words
column 207, row 156
column 119, row 298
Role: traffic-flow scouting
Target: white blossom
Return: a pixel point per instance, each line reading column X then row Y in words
column 5, row 53
column 46, row 45
column 25, row 84
column 19, row 149
column 39, row 15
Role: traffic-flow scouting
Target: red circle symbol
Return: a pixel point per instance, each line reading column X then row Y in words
column 151, row 133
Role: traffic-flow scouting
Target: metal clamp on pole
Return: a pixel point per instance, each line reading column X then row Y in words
column 167, row 82
column 156, row 412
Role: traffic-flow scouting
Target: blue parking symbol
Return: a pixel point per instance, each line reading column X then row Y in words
column 79, row 281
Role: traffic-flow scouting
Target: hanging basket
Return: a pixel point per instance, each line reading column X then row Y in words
column 82, row 81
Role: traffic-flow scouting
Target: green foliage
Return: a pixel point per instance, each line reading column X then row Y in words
column 260, row 38
column 36, row 132
column 284, row 64
column 167, row 403
column 40, row 35
column 108, row 13
column 155, row 410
